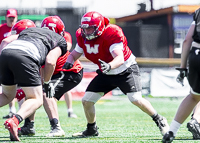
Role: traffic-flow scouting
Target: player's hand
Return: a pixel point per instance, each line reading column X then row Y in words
column 183, row 73
column 49, row 90
column 105, row 67
column 67, row 66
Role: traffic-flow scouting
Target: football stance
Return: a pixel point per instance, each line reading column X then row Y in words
column 105, row 45
column 61, row 82
column 20, row 63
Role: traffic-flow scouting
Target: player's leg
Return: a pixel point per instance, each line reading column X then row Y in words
column 28, row 127
column 137, row 99
column 131, row 86
column 7, row 95
column 184, row 110
column 88, row 101
column 68, row 100
column 188, row 103
column 33, row 102
column 34, row 99
column 50, row 106
column 62, row 82
column 20, row 96
column 94, row 92
column 193, row 125
column 12, row 110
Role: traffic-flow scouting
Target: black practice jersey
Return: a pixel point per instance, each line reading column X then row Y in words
column 44, row 39
column 196, row 18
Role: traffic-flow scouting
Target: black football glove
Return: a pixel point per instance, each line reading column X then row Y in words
column 67, row 66
column 49, row 90
column 105, row 67
column 183, row 73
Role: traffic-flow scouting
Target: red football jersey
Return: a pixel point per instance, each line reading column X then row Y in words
column 61, row 60
column 5, row 31
column 98, row 48
column 68, row 37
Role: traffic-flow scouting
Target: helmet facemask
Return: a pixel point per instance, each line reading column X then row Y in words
column 94, row 34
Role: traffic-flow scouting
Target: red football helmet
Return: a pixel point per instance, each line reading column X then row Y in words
column 21, row 25
column 54, row 23
column 96, row 20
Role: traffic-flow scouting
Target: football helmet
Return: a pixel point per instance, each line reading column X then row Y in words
column 54, row 23
column 95, row 20
column 21, row 25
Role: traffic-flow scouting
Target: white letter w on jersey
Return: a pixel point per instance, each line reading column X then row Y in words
column 94, row 49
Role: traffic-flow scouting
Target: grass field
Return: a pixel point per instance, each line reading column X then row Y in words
column 118, row 121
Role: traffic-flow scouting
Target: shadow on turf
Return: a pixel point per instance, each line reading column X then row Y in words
column 186, row 138
column 39, row 137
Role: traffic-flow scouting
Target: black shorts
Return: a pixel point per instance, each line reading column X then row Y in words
column 194, row 70
column 65, row 81
column 127, row 81
column 16, row 67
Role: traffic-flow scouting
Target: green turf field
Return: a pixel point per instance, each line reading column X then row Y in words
column 118, row 121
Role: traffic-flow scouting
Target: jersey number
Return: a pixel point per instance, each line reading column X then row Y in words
column 94, row 49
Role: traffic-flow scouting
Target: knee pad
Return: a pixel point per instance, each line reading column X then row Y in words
column 134, row 96
column 92, row 96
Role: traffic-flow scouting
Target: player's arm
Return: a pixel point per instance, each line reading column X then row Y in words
column 184, row 55
column 7, row 40
column 73, row 56
column 117, row 54
column 186, row 46
column 116, row 51
column 69, row 46
column 118, row 58
column 50, row 63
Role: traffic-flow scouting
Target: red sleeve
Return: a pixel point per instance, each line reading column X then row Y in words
column 68, row 37
column 79, row 38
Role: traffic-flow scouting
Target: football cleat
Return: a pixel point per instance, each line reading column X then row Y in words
column 27, row 129
column 168, row 137
column 162, row 124
column 72, row 115
column 56, row 131
column 194, row 127
column 11, row 125
column 10, row 115
column 90, row 131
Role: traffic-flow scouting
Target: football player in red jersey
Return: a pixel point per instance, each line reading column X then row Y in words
column 11, row 19
column 105, row 45
column 5, row 31
column 61, row 82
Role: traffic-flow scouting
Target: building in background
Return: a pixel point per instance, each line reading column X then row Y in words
column 158, row 33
